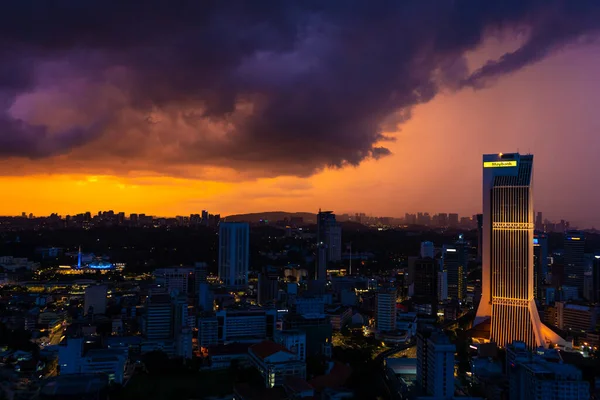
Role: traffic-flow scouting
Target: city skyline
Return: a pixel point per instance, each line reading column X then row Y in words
column 317, row 136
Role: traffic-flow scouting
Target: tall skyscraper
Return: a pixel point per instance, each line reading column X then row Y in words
column 234, row 249
column 426, row 284
column 595, row 297
column 479, row 236
column 507, row 276
column 574, row 245
column 329, row 234
column 454, row 262
column 540, row 264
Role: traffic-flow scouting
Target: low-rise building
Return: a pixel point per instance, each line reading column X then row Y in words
column 223, row 356
column 275, row 363
column 73, row 360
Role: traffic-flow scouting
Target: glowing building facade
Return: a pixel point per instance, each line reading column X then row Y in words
column 507, row 278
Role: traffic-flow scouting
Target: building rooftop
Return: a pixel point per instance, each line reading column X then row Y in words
column 227, row 349
column 74, row 384
column 267, row 348
column 297, row 384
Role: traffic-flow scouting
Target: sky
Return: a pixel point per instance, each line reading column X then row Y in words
column 381, row 107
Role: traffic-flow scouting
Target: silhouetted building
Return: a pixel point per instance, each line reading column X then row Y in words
column 329, row 233
column 454, row 263
column 540, row 265
column 574, row 245
column 268, row 285
column 426, row 283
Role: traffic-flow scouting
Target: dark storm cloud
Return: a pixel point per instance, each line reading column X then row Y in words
column 280, row 87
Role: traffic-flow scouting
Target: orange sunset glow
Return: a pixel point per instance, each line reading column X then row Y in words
column 435, row 148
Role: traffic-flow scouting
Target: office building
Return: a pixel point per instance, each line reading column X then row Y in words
column 244, row 326
column 317, row 328
column 310, row 305
column 574, row 246
column 73, row 359
column 576, row 317
column 540, row 265
column 453, row 220
column 275, row 363
column 234, row 249
column 177, row 278
column 539, row 222
column 427, row 250
column 329, row 234
column 208, row 331
column 538, row 376
column 294, row 340
column 440, row 365
column 595, row 297
column 454, row 263
column 425, row 284
column 95, row 300
column 268, row 285
column 507, row 270
column 442, row 286
column 158, row 320
column 386, row 310
column 479, row 236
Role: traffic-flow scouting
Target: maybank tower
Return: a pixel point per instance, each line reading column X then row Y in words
column 507, row 277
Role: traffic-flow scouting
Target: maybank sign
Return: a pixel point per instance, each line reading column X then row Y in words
column 499, row 164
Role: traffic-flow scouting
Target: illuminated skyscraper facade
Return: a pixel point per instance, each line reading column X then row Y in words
column 508, row 278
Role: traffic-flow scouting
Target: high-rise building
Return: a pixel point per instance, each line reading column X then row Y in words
column 595, row 298
column 234, row 249
column 440, row 366
column 442, row 286
column 95, row 300
column 442, row 220
column 425, row 284
column 174, row 278
column 479, row 218
column 427, row 250
column 574, row 245
column 386, row 310
column 329, row 234
column 158, row 321
column 507, row 270
column 539, row 222
column 268, row 285
column 537, row 376
column 453, row 220
column 454, row 262
column 540, row 264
